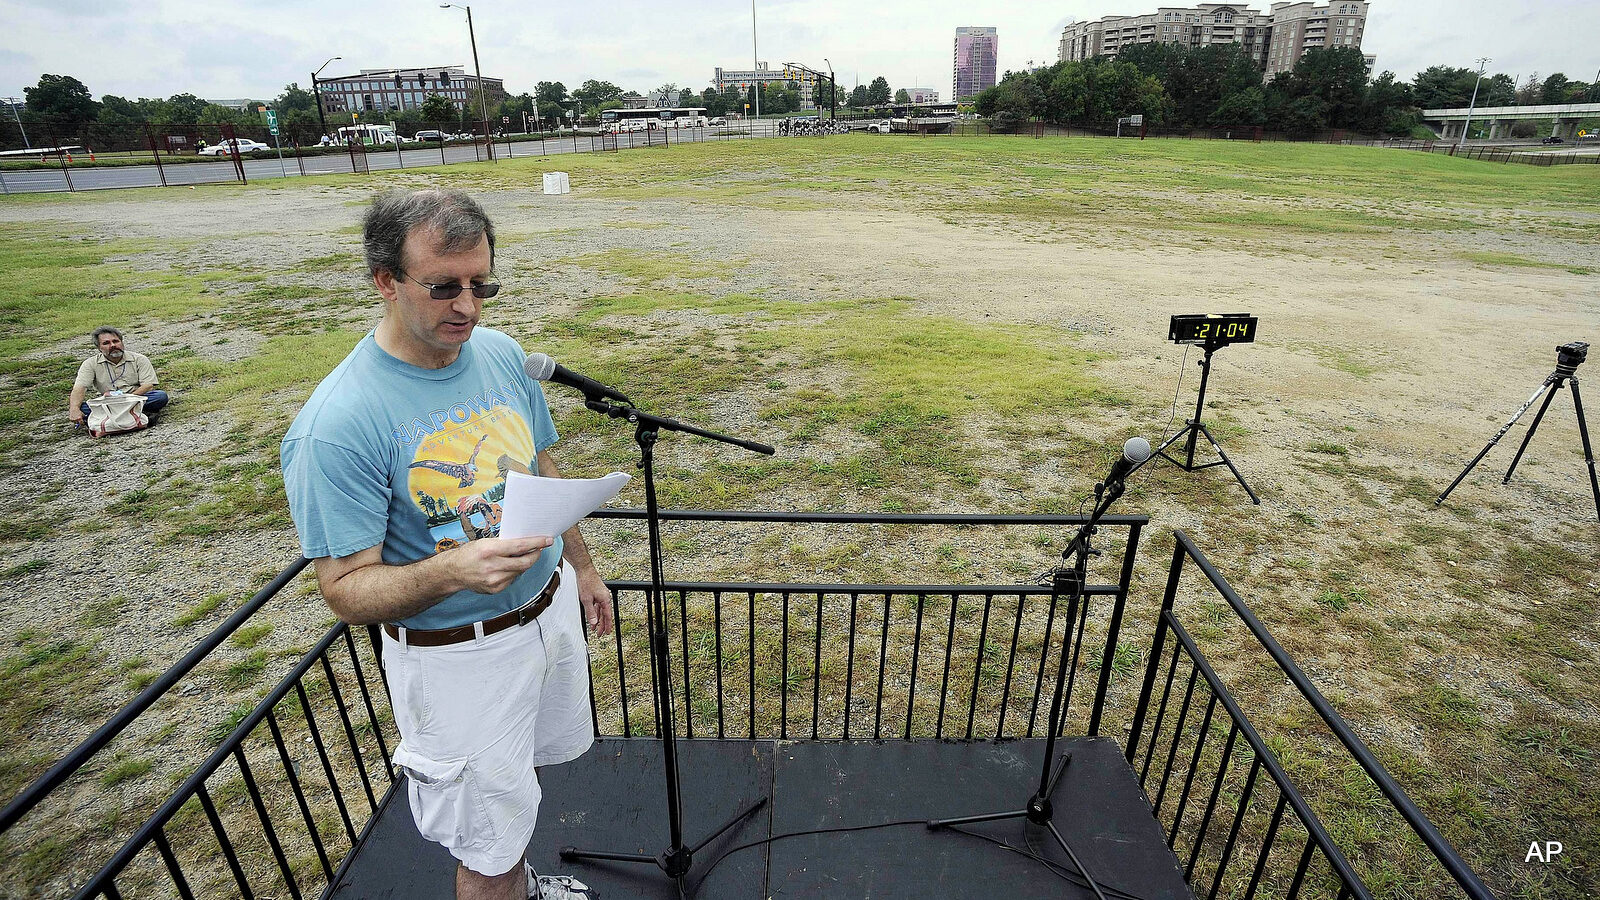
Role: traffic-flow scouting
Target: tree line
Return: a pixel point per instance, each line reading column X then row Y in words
column 1220, row 86
column 65, row 102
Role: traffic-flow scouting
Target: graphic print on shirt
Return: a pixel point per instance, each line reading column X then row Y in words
column 452, row 482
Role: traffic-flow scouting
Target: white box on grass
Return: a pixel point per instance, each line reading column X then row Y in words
column 557, row 183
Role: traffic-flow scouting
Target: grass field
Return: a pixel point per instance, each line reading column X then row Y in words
column 918, row 325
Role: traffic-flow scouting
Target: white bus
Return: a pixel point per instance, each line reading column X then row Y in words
column 369, row 135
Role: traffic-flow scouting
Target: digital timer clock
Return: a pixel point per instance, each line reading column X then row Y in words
column 1215, row 330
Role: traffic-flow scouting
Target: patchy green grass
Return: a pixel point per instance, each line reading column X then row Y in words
column 1498, row 258
column 199, row 611
column 650, row 267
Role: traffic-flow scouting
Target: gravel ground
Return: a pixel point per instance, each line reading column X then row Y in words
column 1391, row 347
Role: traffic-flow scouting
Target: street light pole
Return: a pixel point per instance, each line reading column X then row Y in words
column 755, row 74
column 483, row 104
column 320, row 117
column 1466, row 129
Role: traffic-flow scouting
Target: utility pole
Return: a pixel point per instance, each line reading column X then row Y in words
column 15, row 102
column 1466, row 129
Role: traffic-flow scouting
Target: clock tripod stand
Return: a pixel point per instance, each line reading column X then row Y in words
column 1211, row 333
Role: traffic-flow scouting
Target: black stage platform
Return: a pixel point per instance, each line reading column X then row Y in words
column 614, row 798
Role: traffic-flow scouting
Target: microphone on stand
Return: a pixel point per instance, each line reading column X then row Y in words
column 541, row 367
column 1134, row 453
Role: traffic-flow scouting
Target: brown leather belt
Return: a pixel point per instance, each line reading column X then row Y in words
column 440, row 637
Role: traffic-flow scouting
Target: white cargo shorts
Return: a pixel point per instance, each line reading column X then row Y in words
column 475, row 718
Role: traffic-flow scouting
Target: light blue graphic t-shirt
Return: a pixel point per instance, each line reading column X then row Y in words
column 416, row 459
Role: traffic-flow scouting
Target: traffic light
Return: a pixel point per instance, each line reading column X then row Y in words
column 397, row 83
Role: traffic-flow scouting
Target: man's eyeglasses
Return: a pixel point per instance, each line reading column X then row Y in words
column 451, row 291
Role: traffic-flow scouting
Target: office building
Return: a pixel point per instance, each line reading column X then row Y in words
column 977, row 53
column 397, row 90
column 1275, row 40
column 742, row 79
column 923, row 95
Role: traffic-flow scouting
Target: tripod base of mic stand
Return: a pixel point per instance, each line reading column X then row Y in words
column 1040, row 811
column 1192, row 430
column 676, row 862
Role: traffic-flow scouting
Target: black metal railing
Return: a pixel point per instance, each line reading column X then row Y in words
column 278, row 810
column 1215, row 817
column 279, row 804
column 840, row 661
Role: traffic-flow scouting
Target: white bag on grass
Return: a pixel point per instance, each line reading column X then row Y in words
column 116, row 413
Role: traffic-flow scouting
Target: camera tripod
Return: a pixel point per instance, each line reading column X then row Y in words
column 1193, row 428
column 1569, row 357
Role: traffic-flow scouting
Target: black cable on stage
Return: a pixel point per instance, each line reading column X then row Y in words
column 1055, row 868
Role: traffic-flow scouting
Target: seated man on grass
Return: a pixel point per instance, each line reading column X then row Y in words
column 113, row 369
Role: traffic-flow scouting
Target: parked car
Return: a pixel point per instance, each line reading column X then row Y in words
column 225, row 147
column 428, row 134
column 719, row 121
column 1553, row 139
column 880, row 127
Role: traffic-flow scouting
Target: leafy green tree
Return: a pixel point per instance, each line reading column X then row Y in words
column 878, row 92
column 295, row 106
column 1242, row 109
column 774, row 99
column 1443, row 87
column 822, row 93
column 1498, row 90
column 860, row 98
column 116, row 110
column 437, row 108
column 594, row 93
column 902, row 96
column 1554, row 89
column 1389, row 107
column 60, row 99
column 212, row 114
column 1338, row 77
column 179, row 109
column 984, row 104
column 1098, row 92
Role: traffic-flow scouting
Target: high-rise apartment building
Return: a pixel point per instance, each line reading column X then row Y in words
column 1275, row 40
column 977, row 53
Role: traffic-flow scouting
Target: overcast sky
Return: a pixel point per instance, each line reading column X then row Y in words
column 252, row 48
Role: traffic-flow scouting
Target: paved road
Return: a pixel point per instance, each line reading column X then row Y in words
column 87, row 179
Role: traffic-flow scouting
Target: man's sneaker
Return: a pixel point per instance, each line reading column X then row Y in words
column 556, row 887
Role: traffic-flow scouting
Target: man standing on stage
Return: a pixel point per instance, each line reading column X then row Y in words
column 395, row 470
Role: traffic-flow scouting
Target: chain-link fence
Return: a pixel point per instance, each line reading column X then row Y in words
column 42, row 157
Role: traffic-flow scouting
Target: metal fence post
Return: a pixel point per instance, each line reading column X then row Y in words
column 155, row 153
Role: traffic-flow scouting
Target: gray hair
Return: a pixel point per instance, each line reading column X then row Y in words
column 457, row 219
column 104, row 329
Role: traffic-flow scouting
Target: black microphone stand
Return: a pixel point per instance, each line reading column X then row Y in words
column 1069, row 580
column 677, row 859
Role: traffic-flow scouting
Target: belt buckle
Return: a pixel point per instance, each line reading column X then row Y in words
column 525, row 615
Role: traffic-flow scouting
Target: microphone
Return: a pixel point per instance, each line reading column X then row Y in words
column 541, row 367
column 1134, row 453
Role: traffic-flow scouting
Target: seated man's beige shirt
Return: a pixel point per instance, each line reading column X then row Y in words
column 102, row 375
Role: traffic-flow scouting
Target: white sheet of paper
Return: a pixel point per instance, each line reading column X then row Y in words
column 535, row 505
